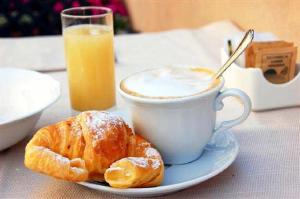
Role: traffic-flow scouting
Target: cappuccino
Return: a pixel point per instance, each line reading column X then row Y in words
column 169, row 82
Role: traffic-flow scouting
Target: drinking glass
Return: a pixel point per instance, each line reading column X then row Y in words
column 88, row 40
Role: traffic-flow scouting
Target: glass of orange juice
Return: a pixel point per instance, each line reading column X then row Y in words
column 88, row 39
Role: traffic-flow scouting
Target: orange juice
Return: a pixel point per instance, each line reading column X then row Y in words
column 90, row 65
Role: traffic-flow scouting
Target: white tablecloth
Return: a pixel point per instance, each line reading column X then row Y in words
column 268, row 165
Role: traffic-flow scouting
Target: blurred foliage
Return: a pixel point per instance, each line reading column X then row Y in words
column 33, row 17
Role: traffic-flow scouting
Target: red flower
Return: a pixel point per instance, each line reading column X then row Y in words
column 117, row 7
column 25, row 1
column 58, row 7
column 75, row 4
column 95, row 2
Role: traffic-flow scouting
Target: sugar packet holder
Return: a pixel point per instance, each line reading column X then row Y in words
column 263, row 94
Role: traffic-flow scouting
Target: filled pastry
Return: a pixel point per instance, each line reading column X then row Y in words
column 95, row 146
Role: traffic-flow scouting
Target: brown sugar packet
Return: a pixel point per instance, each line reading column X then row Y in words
column 254, row 47
column 277, row 59
column 281, row 63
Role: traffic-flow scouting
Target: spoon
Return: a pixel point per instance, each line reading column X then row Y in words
column 238, row 51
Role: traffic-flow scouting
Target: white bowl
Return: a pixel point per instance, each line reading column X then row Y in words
column 24, row 94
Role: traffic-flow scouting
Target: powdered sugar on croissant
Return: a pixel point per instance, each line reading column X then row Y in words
column 84, row 147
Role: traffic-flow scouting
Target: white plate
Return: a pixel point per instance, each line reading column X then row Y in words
column 24, row 95
column 213, row 161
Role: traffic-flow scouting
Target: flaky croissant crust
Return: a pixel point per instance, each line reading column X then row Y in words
column 92, row 146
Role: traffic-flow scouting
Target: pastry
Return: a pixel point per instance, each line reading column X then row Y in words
column 92, row 144
column 143, row 167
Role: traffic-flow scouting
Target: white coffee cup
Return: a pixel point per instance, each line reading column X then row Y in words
column 181, row 127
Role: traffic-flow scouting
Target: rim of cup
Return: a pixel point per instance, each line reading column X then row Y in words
column 107, row 11
column 150, row 100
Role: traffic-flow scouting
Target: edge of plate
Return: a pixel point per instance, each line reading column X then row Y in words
column 165, row 188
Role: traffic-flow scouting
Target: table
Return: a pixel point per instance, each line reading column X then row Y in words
column 268, row 164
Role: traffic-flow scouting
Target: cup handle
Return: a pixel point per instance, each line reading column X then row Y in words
column 218, row 105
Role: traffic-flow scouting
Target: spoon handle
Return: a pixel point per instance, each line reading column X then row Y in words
column 241, row 47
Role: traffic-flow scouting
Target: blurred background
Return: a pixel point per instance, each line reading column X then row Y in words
column 32, row 17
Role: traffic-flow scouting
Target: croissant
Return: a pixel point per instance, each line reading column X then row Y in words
column 95, row 146
column 143, row 168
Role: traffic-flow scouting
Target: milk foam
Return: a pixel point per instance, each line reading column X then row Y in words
column 168, row 82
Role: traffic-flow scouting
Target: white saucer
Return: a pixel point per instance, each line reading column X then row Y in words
column 213, row 161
